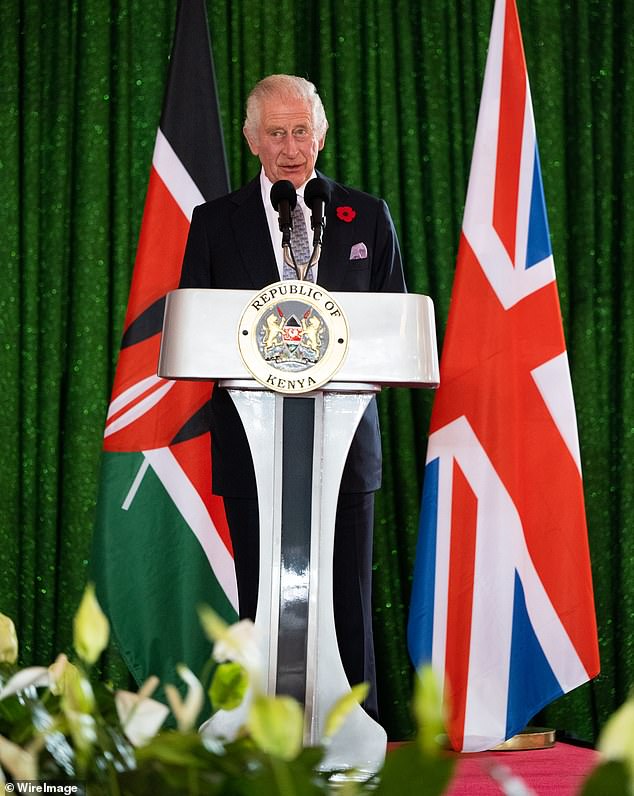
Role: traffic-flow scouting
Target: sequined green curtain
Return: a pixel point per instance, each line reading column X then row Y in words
column 81, row 91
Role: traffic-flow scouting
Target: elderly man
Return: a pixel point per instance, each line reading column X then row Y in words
column 235, row 243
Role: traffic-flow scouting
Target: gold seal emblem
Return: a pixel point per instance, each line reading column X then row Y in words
column 293, row 336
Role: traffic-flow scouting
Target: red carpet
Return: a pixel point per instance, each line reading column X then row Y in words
column 547, row 772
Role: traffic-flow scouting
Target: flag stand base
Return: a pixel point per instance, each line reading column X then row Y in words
column 530, row 738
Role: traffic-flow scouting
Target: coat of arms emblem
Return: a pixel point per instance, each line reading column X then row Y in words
column 293, row 336
column 291, row 343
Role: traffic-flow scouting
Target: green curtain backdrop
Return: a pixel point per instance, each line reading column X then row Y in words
column 81, row 93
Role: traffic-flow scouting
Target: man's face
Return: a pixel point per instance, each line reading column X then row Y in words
column 285, row 140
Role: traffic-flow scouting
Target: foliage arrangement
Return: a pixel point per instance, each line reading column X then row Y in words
column 57, row 725
column 614, row 776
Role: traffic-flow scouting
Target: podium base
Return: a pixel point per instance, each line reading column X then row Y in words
column 530, row 738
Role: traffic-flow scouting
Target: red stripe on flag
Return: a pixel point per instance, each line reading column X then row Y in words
column 460, row 601
column 193, row 457
column 511, row 124
column 486, row 377
column 157, row 426
column 115, row 417
column 160, row 252
column 156, row 271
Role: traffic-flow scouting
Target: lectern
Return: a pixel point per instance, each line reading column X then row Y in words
column 301, row 366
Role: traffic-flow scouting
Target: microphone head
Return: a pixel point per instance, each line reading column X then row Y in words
column 283, row 191
column 317, row 188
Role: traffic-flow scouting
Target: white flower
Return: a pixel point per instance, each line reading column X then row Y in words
column 276, row 725
column 56, row 673
column 8, row 640
column 140, row 716
column 19, row 762
column 31, row 677
column 67, row 681
column 237, row 642
column 186, row 711
column 91, row 629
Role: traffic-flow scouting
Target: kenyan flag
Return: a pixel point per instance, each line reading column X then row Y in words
column 161, row 544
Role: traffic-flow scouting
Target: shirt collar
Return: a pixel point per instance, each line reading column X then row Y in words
column 266, row 185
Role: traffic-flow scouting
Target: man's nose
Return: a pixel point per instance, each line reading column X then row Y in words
column 290, row 146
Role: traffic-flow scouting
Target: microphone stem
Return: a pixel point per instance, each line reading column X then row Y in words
column 318, row 231
column 314, row 257
column 289, row 257
column 301, row 270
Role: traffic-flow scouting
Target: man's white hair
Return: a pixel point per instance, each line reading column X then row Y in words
column 284, row 87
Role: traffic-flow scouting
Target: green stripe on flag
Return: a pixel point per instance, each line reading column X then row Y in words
column 152, row 573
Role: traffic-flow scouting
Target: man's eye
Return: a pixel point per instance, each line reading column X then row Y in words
column 277, row 133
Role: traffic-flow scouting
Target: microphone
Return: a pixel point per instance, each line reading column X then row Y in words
column 284, row 199
column 316, row 197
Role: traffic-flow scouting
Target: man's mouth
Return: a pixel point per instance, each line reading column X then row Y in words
column 292, row 166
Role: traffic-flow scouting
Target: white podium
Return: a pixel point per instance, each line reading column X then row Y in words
column 299, row 439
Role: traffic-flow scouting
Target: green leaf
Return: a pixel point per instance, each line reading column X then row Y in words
column 183, row 749
column 228, row 686
column 342, row 707
column 428, row 710
column 12, row 710
column 608, row 779
column 408, row 770
column 284, row 778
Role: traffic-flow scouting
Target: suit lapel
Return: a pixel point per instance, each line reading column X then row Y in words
column 255, row 250
column 333, row 262
column 251, row 233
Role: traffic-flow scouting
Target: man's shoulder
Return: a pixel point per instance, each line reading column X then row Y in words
column 229, row 201
column 341, row 191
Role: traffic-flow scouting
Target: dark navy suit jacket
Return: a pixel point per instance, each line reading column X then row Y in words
column 229, row 246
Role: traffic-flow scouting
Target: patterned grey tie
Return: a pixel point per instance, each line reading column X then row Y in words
column 300, row 245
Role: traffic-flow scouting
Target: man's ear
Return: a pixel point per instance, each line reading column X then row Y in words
column 253, row 144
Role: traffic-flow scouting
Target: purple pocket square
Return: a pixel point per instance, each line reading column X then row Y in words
column 358, row 252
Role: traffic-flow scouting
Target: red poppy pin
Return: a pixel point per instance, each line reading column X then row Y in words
column 346, row 213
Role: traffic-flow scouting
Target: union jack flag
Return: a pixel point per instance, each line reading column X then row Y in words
column 502, row 602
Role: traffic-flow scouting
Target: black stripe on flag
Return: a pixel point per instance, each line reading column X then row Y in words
column 191, row 95
column 145, row 325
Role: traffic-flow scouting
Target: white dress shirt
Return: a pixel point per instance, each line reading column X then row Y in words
column 272, row 218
